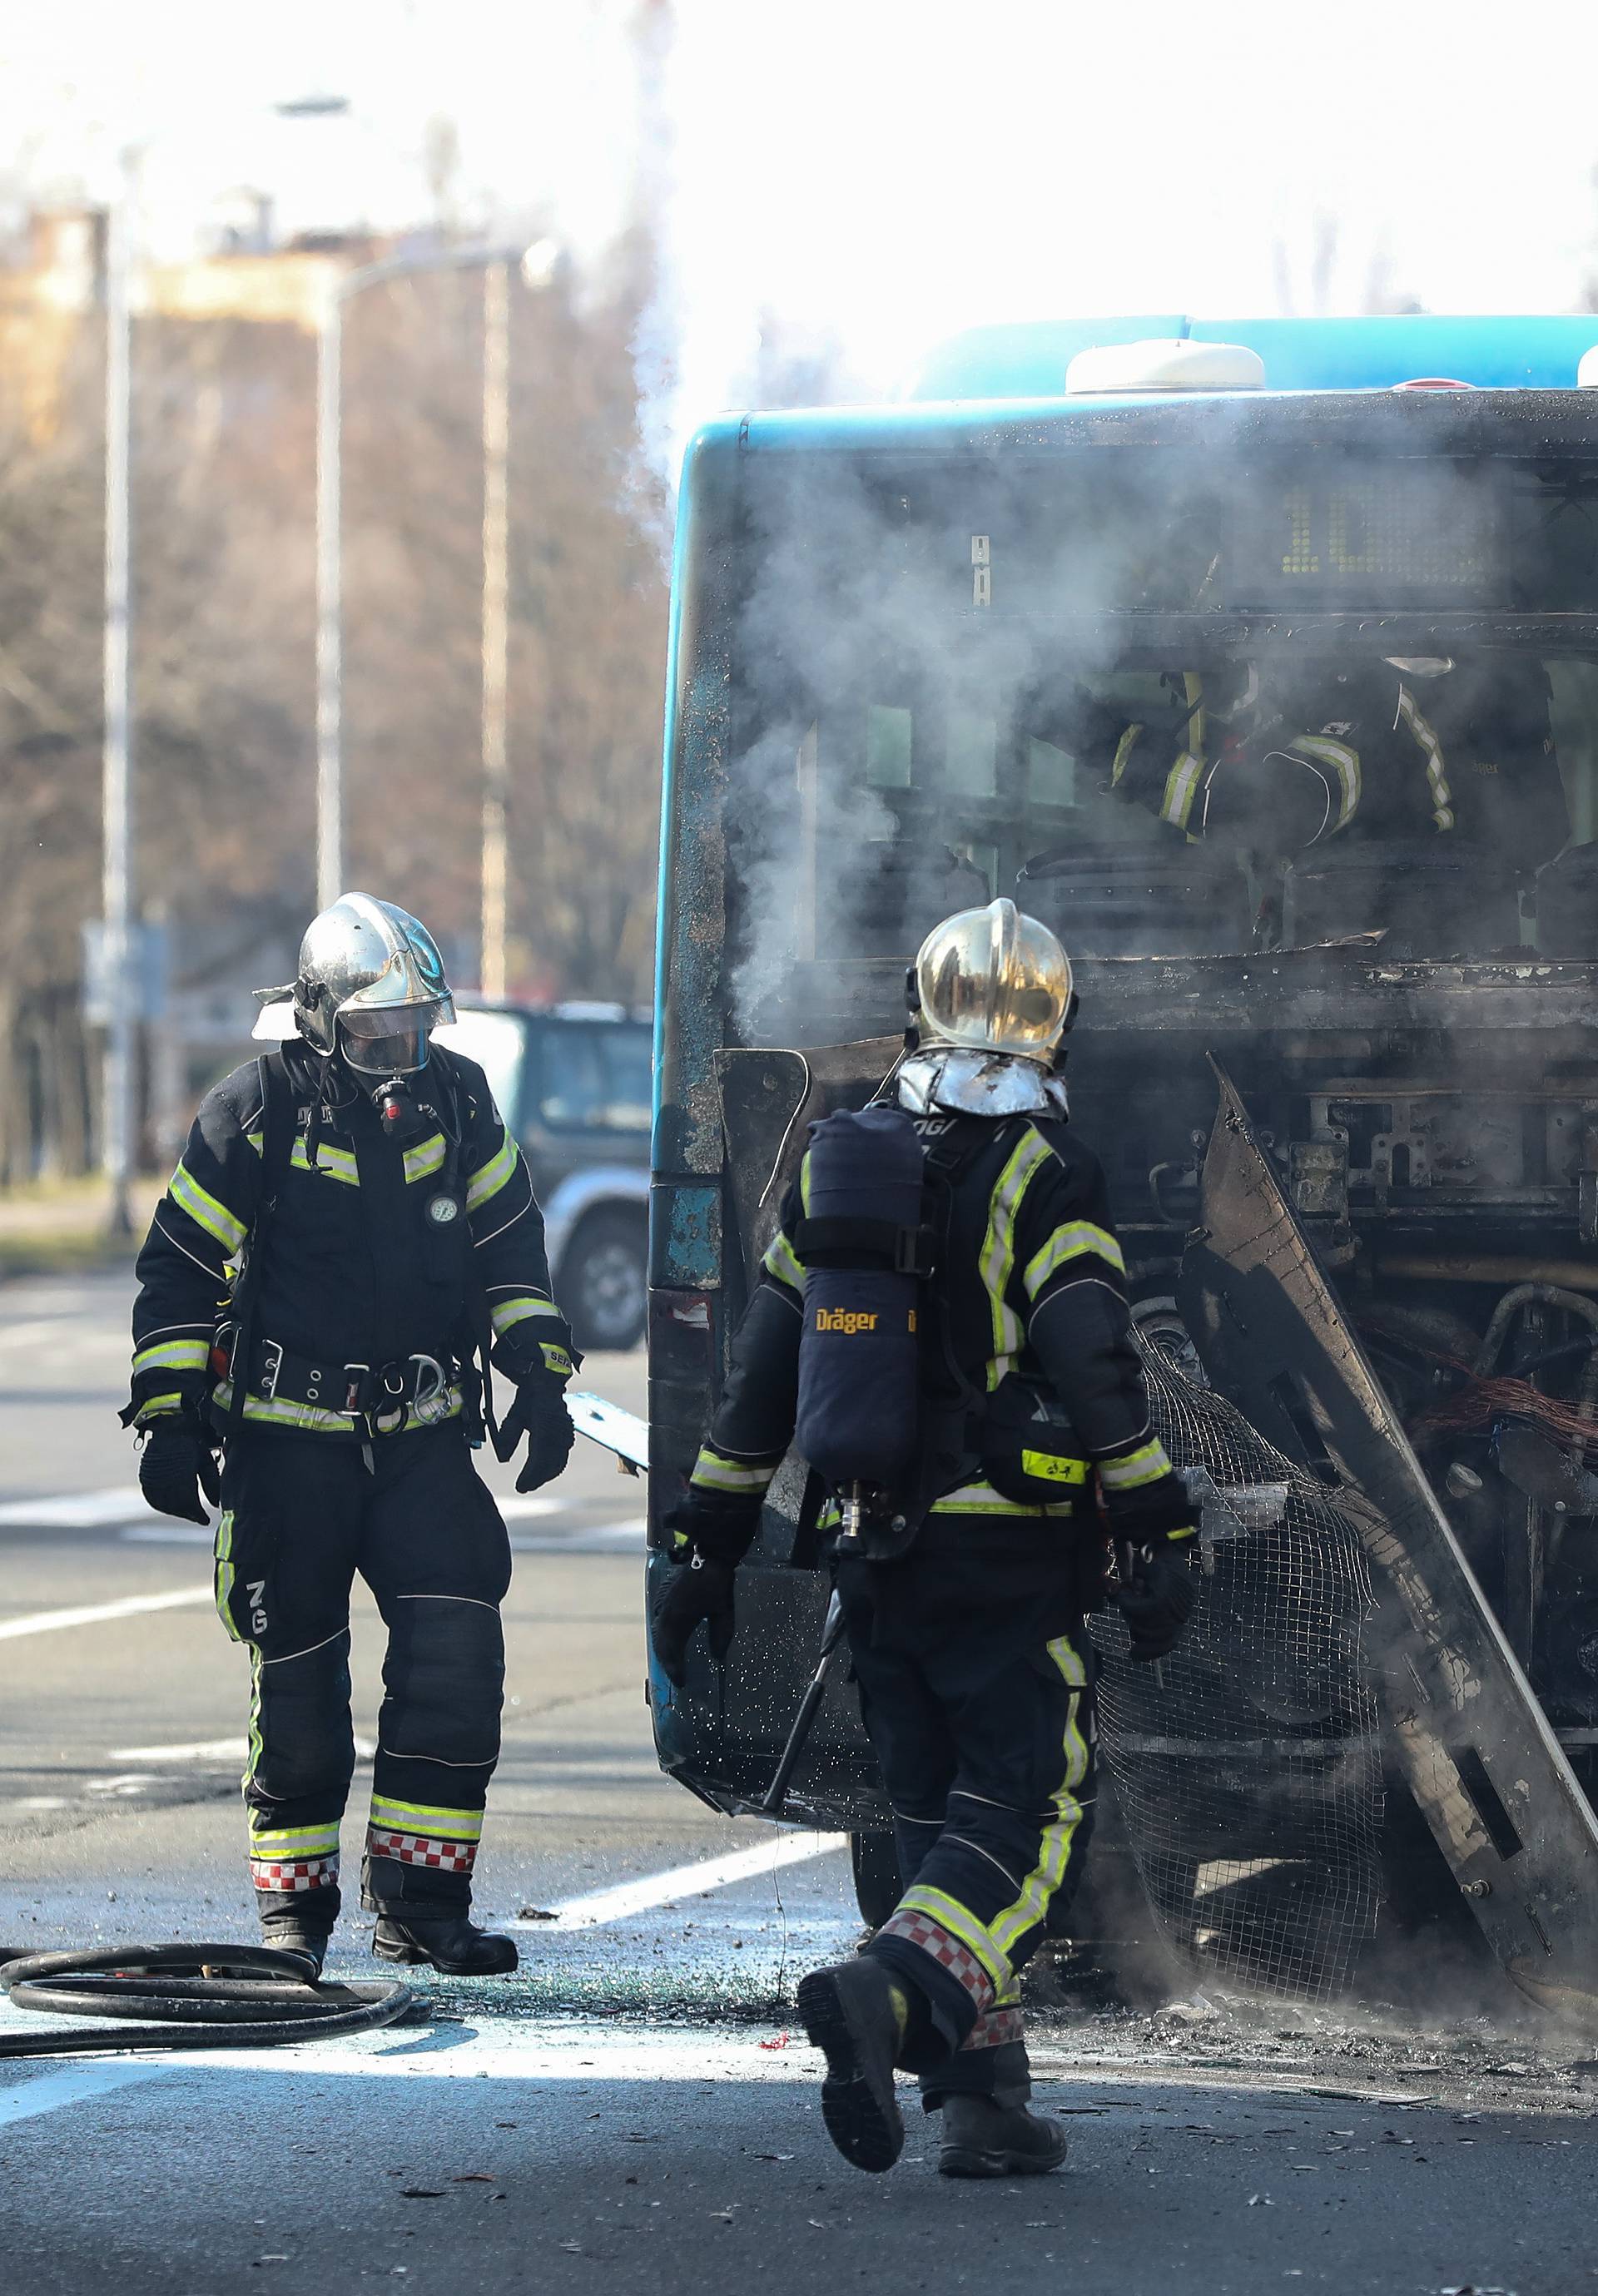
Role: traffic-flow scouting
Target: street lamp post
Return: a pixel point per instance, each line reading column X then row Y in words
column 538, row 267
column 117, row 952
column 495, row 623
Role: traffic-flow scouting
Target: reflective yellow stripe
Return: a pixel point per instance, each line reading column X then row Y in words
column 1181, row 783
column 310, row 1419
column 1054, row 1850
column 1123, row 752
column 253, row 1755
column 981, row 1499
column 1344, row 763
column 492, row 1176
column 782, row 1262
column 1075, row 1239
column 419, row 1817
column 1181, row 788
column 950, row 1914
column 205, row 1211
column 507, row 1314
column 332, row 1163
column 555, row 1359
column 997, row 1262
column 427, row 1156
column 174, row 1355
column 294, row 1842
column 1437, row 776
column 1145, row 1466
column 224, row 1578
column 712, row 1470
column 157, row 1406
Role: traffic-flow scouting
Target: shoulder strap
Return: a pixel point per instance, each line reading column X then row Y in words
column 278, row 1131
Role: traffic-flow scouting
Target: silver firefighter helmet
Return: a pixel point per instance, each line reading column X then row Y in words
column 371, row 986
column 991, row 997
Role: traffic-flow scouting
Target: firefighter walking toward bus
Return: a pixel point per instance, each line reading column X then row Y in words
column 349, row 1238
column 940, row 1329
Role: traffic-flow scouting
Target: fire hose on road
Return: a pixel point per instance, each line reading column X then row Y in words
column 186, row 1996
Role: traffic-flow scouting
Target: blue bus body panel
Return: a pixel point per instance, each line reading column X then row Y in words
column 1029, row 360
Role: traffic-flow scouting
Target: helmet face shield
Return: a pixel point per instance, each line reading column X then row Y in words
column 387, row 1040
column 399, row 1051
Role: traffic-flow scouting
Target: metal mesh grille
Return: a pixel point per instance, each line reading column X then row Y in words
column 1246, row 1765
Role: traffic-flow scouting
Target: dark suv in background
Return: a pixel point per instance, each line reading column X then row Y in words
column 573, row 1083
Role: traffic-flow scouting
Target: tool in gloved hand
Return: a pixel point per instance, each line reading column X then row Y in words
column 539, row 1412
column 1156, row 1596
column 175, row 1465
column 832, row 1650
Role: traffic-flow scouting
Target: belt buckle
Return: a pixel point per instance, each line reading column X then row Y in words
column 357, row 1378
column 390, row 1407
column 272, row 1364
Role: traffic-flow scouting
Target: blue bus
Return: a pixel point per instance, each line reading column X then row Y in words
column 1260, row 658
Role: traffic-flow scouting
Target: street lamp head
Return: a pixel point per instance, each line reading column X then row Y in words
column 541, row 264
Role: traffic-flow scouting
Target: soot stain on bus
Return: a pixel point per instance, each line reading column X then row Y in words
column 1284, row 716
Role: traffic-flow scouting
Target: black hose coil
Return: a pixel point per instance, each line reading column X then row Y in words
column 188, row 1997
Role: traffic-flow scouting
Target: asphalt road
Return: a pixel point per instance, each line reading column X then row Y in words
column 634, row 2108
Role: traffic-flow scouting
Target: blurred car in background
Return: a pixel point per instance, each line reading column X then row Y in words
column 573, row 1082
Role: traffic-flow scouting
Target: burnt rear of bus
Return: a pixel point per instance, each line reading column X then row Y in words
column 877, row 616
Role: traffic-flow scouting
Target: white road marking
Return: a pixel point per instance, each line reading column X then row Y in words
column 210, row 1749
column 527, row 1506
column 47, row 1623
column 77, row 1510
column 73, row 2084
column 503, row 2048
column 602, row 1905
column 167, row 1534
column 586, row 1538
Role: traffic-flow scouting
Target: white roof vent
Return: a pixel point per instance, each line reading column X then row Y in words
column 1587, row 373
column 1174, row 365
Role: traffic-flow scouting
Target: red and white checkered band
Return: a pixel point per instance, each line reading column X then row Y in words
column 293, row 1874
column 946, row 1950
column 422, row 1850
column 994, row 2028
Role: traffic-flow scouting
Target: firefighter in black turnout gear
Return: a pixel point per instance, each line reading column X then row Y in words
column 963, row 1585
column 350, row 1236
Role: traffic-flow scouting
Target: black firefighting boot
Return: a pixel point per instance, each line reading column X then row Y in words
column 982, row 2137
column 297, row 1924
column 449, row 1940
column 858, row 2015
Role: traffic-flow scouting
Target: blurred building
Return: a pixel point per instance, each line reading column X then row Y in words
column 57, row 280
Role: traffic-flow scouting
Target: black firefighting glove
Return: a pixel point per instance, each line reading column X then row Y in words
column 716, row 1524
column 1154, row 1535
column 539, row 1412
column 1156, row 1596
column 696, row 1590
column 176, row 1463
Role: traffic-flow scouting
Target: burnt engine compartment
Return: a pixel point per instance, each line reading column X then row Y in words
column 1448, row 1184
column 1434, row 1124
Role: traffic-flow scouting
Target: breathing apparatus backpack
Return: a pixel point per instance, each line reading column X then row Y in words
column 885, row 1414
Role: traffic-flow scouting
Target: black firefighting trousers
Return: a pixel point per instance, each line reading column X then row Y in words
column 973, row 1670
column 301, row 1515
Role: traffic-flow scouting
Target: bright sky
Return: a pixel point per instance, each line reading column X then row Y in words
column 885, row 170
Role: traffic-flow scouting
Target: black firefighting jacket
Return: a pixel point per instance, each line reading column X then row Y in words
column 1285, row 755
column 357, row 1266
column 1031, row 1284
